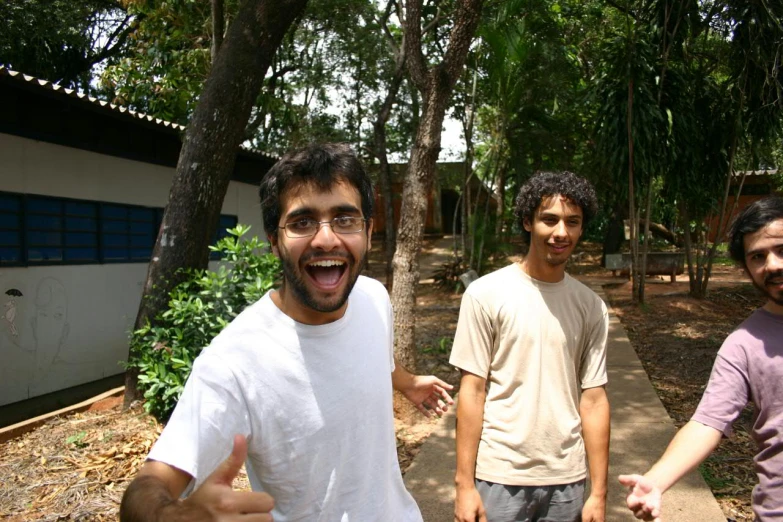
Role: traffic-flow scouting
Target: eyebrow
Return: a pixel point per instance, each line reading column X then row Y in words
column 544, row 214
column 309, row 211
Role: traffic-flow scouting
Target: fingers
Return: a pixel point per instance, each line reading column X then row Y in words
column 441, row 388
column 629, row 480
column 249, row 502
column 423, row 409
column 229, row 468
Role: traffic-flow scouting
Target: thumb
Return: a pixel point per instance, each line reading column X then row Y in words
column 629, row 480
column 227, row 471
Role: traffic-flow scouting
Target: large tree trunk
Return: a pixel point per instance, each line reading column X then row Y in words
column 385, row 174
column 436, row 85
column 209, row 151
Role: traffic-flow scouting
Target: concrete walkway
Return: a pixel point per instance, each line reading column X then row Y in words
column 641, row 430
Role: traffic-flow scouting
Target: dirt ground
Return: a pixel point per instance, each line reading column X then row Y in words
column 76, row 468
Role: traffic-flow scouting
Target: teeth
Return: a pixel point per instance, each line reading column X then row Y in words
column 327, row 263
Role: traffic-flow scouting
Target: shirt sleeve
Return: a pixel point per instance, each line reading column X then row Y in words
column 593, row 363
column 728, row 389
column 200, row 433
column 474, row 339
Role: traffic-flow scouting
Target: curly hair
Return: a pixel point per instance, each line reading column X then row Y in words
column 751, row 219
column 322, row 164
column 545, row 184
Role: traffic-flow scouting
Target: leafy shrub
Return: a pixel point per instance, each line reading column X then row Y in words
column 446, row 276
column 198, row 309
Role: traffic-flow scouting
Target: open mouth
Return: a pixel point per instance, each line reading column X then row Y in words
column 327, row 273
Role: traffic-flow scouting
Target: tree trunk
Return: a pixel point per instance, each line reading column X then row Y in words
column 218, row 27
column 435, row 85
column 385, row 175
column 646, row 236
column 631, row 199
column 209, row 150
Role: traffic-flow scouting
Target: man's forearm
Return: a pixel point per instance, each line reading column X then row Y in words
column 470, row 418
column 402, row 379
column 692, row 444
column 595, row 432
column 145, row 500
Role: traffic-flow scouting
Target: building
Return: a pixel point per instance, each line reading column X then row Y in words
column 441, row 202
column 83, row 184
column 755, row 184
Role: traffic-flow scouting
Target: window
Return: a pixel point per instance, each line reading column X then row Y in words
column 225, row 223
column 42, row 230
column 10, row 229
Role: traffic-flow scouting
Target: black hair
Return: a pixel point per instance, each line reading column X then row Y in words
column 751, row 219
column 546, row 184
column 323, row 165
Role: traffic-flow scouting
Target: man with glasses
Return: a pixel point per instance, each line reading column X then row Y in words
column 300, row 383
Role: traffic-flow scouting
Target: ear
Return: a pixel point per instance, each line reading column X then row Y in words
column 369, row 233
column 526, row 224
column 272, row 238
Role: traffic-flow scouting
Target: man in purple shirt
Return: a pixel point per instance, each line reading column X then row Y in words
column 749, row 367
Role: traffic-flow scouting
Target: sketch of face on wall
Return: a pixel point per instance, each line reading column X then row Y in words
column 50, row 323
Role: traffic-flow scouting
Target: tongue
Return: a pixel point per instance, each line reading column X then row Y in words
column 326, row 275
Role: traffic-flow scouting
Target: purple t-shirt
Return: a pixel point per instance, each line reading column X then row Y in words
column 749, row 367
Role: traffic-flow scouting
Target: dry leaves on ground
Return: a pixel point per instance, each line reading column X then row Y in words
column 74, row 468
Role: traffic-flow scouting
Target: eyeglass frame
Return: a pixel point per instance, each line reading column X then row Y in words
column 329, row 222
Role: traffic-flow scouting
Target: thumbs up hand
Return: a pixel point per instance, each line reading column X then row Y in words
column 215, row 500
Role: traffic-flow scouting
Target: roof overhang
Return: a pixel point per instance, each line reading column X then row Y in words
column 44, row 111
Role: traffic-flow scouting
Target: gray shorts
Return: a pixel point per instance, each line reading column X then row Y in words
column 560, row 503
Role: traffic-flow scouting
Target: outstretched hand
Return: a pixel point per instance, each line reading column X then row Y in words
column 216, row 499
column 644, row 497
column 429, row 394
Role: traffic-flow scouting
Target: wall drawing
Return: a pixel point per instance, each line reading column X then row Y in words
column 50, row 325
column 10, row 310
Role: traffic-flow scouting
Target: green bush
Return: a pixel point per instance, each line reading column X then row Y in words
column 198, row 309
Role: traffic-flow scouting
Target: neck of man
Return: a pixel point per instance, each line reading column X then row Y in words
column 773, row 307
column 543, row 271
column 290, row 305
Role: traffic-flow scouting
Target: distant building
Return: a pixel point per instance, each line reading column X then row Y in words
column 83, row 184
column 756, row 184
column 441, row 202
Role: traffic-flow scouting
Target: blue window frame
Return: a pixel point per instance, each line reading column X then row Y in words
column 224, row 224
column 11, row 229
column 43, row 230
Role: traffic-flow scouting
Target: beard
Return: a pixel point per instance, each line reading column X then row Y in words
column 777, row 299
column 296, row 281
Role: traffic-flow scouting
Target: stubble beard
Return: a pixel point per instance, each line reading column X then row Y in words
column 767, row 292
column 295, row 281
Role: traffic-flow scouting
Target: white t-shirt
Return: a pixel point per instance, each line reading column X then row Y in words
column 315, row 403
column 538, row 345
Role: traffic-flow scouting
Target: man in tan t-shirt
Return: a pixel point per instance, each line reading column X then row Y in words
column 531, row 345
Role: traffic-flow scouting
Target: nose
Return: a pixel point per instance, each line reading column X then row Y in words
column 774, row 262
column 325, row 238
column 560, row 229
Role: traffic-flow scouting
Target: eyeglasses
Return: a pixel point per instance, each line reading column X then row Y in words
column 310, row 227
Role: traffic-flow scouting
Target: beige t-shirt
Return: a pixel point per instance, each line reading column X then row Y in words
column 538, row 345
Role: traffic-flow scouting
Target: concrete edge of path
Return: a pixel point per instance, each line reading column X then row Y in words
column 20, row 428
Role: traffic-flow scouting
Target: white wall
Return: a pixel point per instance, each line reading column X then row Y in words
column 71, row 324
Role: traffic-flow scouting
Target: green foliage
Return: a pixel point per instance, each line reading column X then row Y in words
column 443, row 347
column 199, row 308
column 61, row 40
column 77, row 439
column 446, row 276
